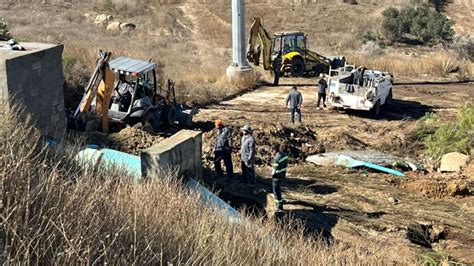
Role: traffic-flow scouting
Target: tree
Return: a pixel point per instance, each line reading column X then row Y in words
column 4, row 33
column 418, row 21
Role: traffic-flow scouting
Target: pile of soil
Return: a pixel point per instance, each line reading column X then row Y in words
column 298, row 142
column 438, row 185
column 132, row 140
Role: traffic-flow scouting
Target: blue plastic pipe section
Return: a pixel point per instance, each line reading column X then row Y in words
column 107, row 158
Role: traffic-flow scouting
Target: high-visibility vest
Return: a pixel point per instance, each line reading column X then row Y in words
column 280, row 164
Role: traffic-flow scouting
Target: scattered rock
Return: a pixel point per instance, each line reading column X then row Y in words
column 453, row 162
column 103, row 19
column 127, row 26
column 469, row 170
column 392, row 200
column 322, row 160
column 437, row 232
column 114, row 26
column 458, row 189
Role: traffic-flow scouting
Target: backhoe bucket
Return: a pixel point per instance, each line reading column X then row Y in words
column 184, row 115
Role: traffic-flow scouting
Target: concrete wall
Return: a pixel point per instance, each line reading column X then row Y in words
column 34, row 80
column 181, row 152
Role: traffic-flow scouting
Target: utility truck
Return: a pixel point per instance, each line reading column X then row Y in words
column 360, row 89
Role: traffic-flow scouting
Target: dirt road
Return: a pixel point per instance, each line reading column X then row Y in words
column 349, row 204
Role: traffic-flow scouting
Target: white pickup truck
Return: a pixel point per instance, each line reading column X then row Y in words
column 360, row 89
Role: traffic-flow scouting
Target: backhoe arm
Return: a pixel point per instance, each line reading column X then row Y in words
column 259, row 40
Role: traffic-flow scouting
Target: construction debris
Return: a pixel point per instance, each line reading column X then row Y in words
column 369, row 156
column 298, row 142
column 349, row 162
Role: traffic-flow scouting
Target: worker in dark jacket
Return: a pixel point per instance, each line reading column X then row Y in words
column 279, row 167
column 294, row 100
column 247, row 155
column 322, row 87
column 223, row 149
column 276, row 65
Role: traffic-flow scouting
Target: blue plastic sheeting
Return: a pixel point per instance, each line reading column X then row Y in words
column 108, row 158
column 351, row 163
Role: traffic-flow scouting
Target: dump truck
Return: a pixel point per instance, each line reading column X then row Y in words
column 145, row 101
column 287, row 53
column 360, row 89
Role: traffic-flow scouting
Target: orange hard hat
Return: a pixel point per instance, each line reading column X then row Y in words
column 219, row 122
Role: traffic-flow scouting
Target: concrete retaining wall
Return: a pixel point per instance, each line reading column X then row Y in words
column 34, row 80
column 181, row 152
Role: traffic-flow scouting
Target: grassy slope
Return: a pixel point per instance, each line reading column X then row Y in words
column 57, row 212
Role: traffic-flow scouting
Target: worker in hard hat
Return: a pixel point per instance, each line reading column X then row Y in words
column 247, row 155
column 279, row 167
column 223, row 149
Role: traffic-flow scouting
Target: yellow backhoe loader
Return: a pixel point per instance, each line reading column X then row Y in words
column 143, row 101
column 287, row 53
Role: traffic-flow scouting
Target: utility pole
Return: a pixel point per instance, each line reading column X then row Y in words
column 239, row 71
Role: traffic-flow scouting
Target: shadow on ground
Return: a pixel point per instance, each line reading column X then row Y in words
column 397, row 110
column 320, row 219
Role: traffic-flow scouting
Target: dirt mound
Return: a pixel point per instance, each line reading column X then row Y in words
column 441, row 186
column 132, row 140
column 298, row 142
column 342, row 138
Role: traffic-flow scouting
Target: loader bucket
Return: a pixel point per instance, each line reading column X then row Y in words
column 184, row 115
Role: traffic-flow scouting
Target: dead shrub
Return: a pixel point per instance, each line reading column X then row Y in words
column 437, row 65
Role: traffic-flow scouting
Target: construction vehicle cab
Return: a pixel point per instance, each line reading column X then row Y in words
column 143, row 105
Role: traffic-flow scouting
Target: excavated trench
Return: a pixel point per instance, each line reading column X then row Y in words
column 243, row 204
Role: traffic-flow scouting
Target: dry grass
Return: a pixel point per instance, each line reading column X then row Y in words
column 435, row 66
column 57, row 212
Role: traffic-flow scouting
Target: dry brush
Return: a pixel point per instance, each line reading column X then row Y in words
column 56, row 211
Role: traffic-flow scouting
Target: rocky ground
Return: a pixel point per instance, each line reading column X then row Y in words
column 414, row 214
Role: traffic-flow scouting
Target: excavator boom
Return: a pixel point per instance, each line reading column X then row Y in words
column 259, row 41
column 100, row 86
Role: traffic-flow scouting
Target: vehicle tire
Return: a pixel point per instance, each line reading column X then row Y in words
column 389, row 98
column 318, row 69
column 297, row 67
column 150, row 122
column 169, row 115
column 376, row 109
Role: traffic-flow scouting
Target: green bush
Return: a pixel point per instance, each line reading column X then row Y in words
column 4, row 33
column 418, row 21
column 452, row 137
